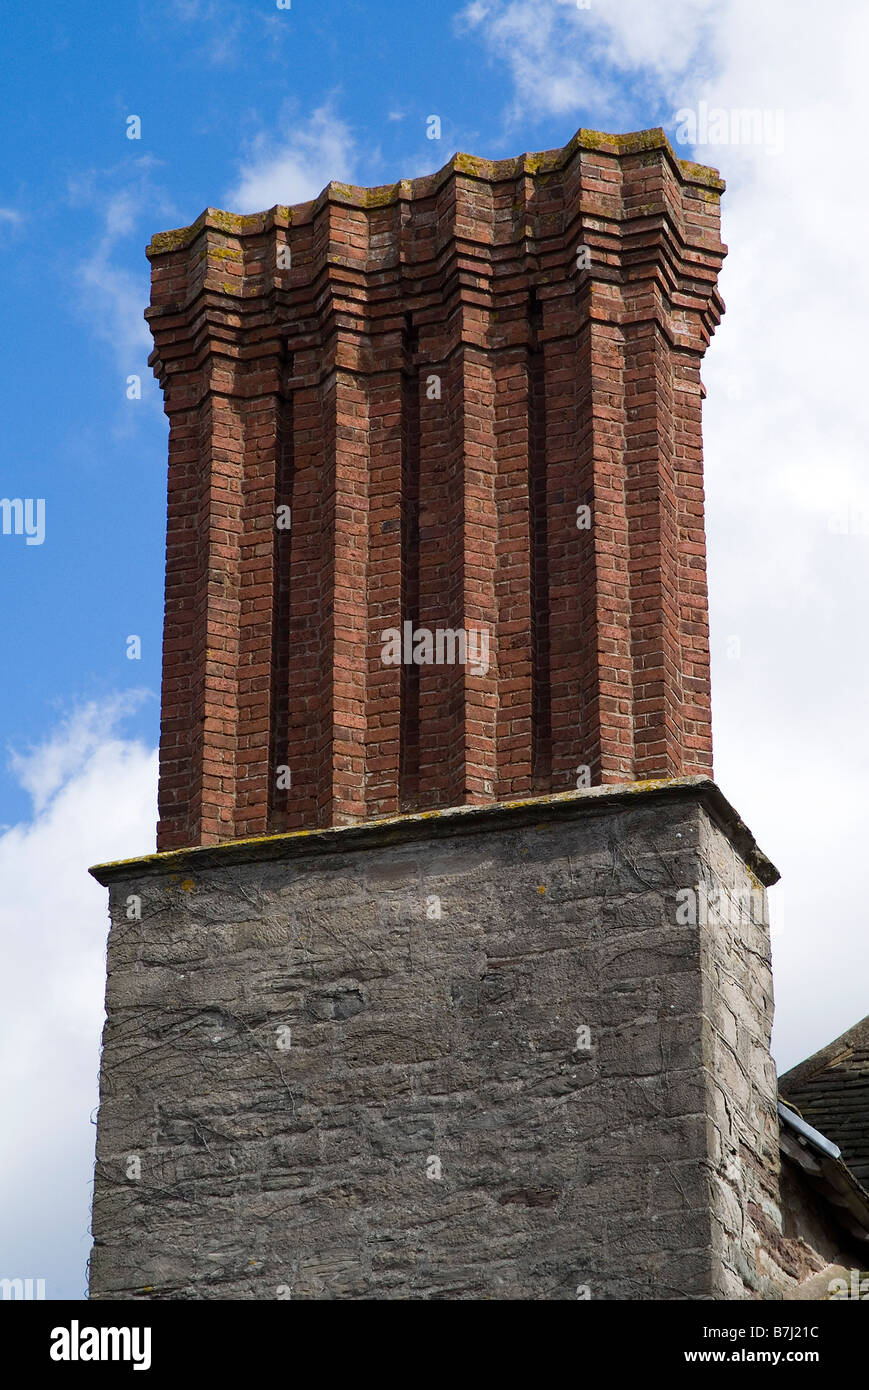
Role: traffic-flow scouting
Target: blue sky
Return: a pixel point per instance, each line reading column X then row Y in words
column 243, row 105
column 227, row 95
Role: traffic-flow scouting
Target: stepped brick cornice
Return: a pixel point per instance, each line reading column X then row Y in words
column 473, row 399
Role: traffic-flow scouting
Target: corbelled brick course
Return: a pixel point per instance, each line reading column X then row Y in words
column 434, row 385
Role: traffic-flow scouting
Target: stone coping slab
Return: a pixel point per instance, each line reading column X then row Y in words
column 456, row 820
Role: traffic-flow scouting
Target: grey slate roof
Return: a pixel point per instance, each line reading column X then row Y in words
column 831, row 1091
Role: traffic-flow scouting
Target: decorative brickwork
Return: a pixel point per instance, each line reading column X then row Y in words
column 436, row 377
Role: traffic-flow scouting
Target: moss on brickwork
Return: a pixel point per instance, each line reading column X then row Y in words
column 534, row 164
column 470, row 164
column 381, row 197
column 164, row 242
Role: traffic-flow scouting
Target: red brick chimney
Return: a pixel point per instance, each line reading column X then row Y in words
column 467, row 403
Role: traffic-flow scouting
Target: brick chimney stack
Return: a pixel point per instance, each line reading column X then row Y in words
column 465, row 407
column 516, row 1047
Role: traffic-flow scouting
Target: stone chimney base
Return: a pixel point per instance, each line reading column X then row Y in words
column 504, row 1052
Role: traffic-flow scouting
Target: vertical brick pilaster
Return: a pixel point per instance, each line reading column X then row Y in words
column 691, row 569
column 608, row 696
column 346, row 399
column 280, row 797
column 181, row 725
column 260, row 580
column 513, row 570
column 563, row 542
column 308, row 594
column 390, row 455
column 652, row 552
column 441, row 578
column 219, row 609
column 480, row 536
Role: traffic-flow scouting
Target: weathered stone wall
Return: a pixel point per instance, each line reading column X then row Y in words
column 350, row 1063
column 742, row 1087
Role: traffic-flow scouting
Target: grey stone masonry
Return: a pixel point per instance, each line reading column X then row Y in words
column 504, row 1052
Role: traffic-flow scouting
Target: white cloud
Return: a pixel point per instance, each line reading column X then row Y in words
column 44, row 770
column 293, row 167
column 783, row 424
column 116, row 302
column 96, row 802
column 109, row 297
column 564, row 59
column 113, row 298
column 224, row 29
